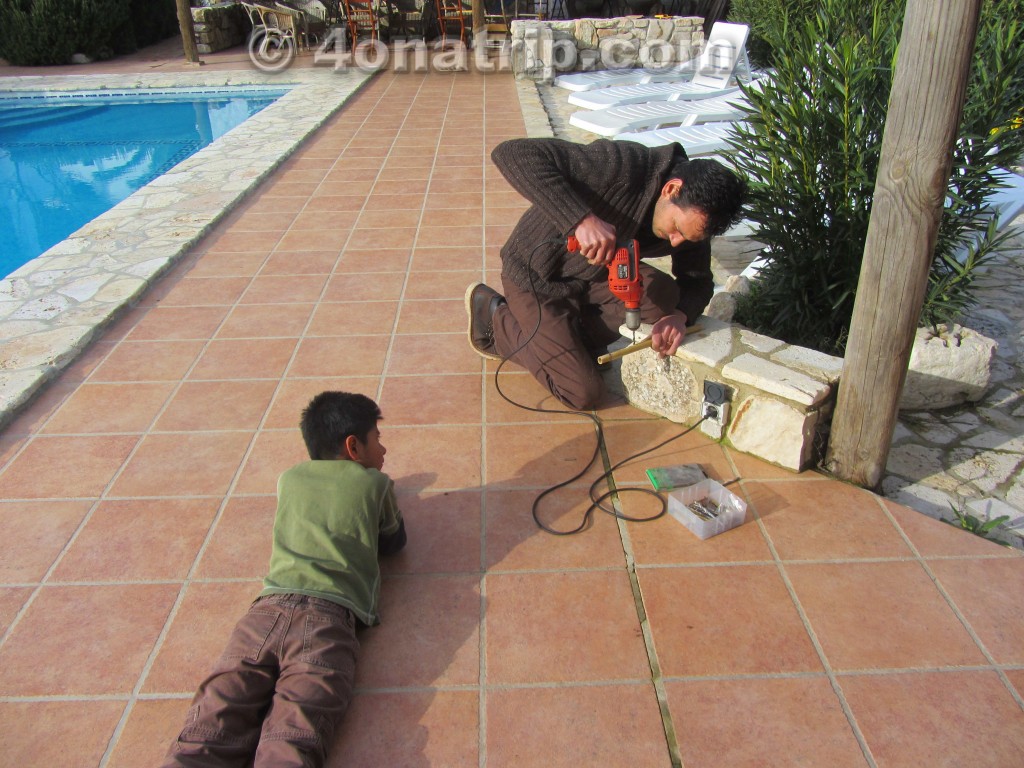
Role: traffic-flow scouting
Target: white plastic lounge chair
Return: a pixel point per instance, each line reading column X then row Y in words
column 697, row 140
column 603, row 98
column 636, row 117
column 724, row 55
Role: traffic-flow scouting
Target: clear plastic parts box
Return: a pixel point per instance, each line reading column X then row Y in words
column 731, row 509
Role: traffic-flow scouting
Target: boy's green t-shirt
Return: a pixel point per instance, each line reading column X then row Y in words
column 329, row 515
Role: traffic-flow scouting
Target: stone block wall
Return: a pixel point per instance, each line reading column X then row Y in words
column 542, row 50
column 779, row 396
column 220, row 26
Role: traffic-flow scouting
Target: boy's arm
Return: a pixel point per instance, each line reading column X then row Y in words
column 389, row 543
column 391, row 536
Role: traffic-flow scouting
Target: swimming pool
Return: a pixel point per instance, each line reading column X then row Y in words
column 66, row 158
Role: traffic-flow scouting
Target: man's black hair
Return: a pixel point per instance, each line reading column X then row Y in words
column 331, row 417
column 712, row 188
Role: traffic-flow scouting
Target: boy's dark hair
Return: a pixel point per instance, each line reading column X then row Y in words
column 331, row 417
column 712, row 188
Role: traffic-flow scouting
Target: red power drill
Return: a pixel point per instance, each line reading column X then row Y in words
column 624, row 278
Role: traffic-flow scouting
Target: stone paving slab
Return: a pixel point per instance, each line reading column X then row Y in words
column 54, row 306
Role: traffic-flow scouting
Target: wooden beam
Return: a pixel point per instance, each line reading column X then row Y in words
column 924, row 111
column 188, row 35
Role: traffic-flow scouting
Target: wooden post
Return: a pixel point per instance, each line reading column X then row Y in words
column 479, row 28
column 188, row 35
column 924, row 111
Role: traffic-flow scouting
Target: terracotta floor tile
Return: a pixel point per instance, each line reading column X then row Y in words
column 84, row 727
column 612, row 726
column 667, row 541
column 435, row 315
column 863, row 622
column 339, row 356
column 216, row 405
column 356, row 262
column 151, row 728
column 165, row 323
column 11, row 601
column 84, row 640
column 284, row 289
column 239, row 241
column 99, row 408
column 244, row 359
column 443, row 531
column 457, row 466
column 823, row 519
column 626, row 439
column 393, row 218
column 34, row 533
column 515, row 542
column 332, row 203
column 934, row 538
column 414, row 354
column 428, row 635
column 540, row 455
column 229, row 264
column 457, row 200
column 282, row 263
column 201, row 291
column 136, row 361
column 753, row 468
column 338, row 220
column 374, row 237
column 198, row 633
column 1016, row 677
column 524, row 390
column 416, row 728
column 240, row 545
column 294, row 395
column 427, row 257
column 379, row 286
column 265, row 321
column 343, row 319
column 979, row 589
column 323, row 239
column 725, row 620
column 433, row 285
column 86, row 465
column 937, row 718
column 538, row 622
column 273, row 452
column 751, row 723
column 155, row 539
column 183, row 464
column 454, row 399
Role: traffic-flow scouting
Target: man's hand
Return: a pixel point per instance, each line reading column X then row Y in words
column 668, row 333
column 597, row 239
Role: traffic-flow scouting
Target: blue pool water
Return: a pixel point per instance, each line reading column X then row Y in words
column 66, row 159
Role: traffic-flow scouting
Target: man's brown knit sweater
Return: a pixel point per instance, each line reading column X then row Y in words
column 617, row 181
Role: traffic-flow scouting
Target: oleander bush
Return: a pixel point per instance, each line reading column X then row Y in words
column 38, row 32
column 810, row 149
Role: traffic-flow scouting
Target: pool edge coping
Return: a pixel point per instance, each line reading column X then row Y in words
column 55, row 306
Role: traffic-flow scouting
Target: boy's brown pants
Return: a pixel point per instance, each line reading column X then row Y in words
column 279, row 690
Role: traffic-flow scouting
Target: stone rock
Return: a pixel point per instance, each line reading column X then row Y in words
column 80, row 58
column 774, row 431
column 722, row 307
column 738, row 284
column 947, row 369
column 666, row 386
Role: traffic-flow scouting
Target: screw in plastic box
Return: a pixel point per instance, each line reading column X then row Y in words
column 731, row 508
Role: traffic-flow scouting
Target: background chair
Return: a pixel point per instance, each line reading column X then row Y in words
column 406, row 18
column 454, row 16
column 361, row 16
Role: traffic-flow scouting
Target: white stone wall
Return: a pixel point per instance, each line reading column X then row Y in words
column 779, row 395
column 542, row 50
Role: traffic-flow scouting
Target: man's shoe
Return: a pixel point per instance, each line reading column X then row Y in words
column 481, row 304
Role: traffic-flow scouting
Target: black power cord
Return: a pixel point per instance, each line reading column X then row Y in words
column 595, row 502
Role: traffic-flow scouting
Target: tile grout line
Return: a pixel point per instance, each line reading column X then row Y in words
column 819, row 650
column 994, row 665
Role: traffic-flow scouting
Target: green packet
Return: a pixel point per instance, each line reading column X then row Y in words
column 676, row 476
